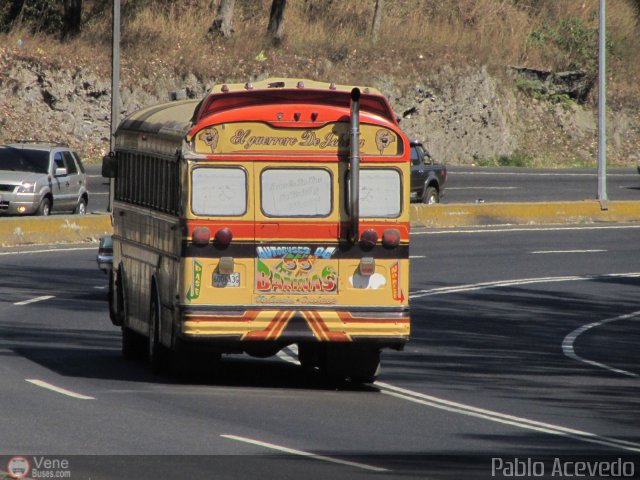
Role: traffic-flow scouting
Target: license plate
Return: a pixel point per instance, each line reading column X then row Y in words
column 226, row 280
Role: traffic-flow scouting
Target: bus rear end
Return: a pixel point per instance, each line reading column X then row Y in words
column 278, row 249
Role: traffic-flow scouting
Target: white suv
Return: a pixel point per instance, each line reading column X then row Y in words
column 41, row 178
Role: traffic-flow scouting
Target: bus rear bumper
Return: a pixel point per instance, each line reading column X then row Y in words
column 386, row 328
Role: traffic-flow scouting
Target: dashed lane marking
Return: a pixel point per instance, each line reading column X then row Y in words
column 35, row 300
column 53, row 388
column 302, row 453
column 513, row 283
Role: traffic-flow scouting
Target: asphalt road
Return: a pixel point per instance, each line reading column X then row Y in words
column 471, row 184
column 524, row 345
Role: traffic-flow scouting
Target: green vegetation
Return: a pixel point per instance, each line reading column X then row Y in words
column 570, row 42
column 516, row 159
column 537, row 89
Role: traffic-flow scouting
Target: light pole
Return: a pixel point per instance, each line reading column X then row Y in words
column 115, row 90
column 602, row 109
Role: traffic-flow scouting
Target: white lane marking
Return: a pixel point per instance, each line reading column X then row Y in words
column 34, row 300
column 27, row 252
column 103, row 287
column 567, row 251
column 98, row 193
column 527, row 229
column 569, row 340
column 538, row 174
column 512, row 283
column 520, row 422
column 417, row 256
column 302, row 453
column 482, row 188
column 498, row 417
column 53, row 388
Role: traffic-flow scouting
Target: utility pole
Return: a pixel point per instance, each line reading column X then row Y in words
column 602, row 109
column 115, row 90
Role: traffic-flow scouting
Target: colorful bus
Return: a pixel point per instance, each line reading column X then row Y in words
column 266, row 215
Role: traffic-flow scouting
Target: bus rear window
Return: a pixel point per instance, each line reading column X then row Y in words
column 218, row 191
column 296, row 192
column 380, row 192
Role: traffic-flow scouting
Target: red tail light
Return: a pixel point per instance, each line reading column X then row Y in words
column 223, row 237
column 391, row 238
column 369, row 237
column 201, row 236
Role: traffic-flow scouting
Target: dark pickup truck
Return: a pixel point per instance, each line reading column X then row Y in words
column 427, row 178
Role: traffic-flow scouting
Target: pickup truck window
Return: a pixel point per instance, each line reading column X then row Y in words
column 416, row 158
column 420, row 156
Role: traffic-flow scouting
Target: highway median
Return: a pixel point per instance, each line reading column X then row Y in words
column 53, row 229
column 523, row 213
column 89, row 228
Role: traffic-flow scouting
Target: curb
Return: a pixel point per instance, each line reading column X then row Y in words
column 534, row 213
column 53, row 229
column 83, row 228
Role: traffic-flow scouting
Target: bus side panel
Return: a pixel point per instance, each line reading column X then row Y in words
column 148, row 249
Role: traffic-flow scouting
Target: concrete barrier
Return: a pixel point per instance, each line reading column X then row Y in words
column 534, row 213
column 53, row 229
column 83, row 228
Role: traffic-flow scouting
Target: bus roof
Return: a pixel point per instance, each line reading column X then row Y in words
column 173, row 120
column 280, row 91
column 289, row 83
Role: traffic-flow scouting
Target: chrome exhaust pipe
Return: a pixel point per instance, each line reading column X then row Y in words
column 354, row 165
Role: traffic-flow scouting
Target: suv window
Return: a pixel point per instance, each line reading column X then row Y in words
column 58, row 162
column 79, row 160
column 22, row 160
column 71, row 164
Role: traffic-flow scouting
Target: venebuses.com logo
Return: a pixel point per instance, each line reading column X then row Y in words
column 18, row 467
column 38, row 467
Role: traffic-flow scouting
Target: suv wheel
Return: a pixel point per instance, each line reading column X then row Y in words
column 81, row 208
column 45, row 207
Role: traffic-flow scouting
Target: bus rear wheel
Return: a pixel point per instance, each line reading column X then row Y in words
column 158, row 354
column 358, row 363
column 133, row 344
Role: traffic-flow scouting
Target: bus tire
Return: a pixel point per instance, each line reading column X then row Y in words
column 115, row 297
column 309, row 356
column 366, row 366
column 134, row 346
column 358, row 363
column 158, row 354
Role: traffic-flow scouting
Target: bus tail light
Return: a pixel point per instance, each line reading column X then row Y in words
column 391, row 238
column 223, row 237
column 368, row 238
column 201, row 236
column 367, row 266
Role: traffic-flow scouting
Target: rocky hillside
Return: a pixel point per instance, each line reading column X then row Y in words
column 467, row 117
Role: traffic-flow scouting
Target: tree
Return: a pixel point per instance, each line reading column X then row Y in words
column 377, row 17
column 276, row 19
column 222, row 24
column 72, row 18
